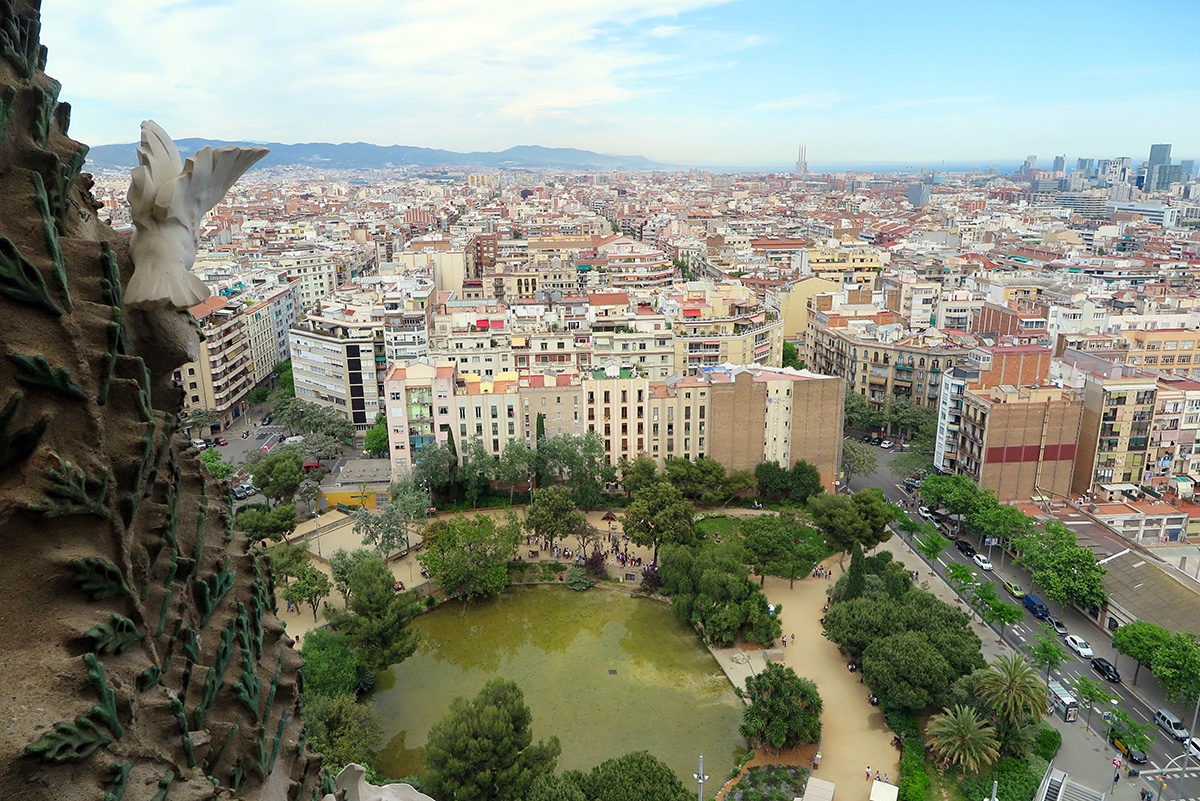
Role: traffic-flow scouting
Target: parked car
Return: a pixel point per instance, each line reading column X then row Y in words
column 238, row 492
column 266, row 421
column 1014, row 589
column 1192, row 746
column 1106, row 669
column 1134, row 755
column 248, row 488
column 887, row 444
column 220, row 441
column 866, row 438
column 1059, row 628
column 983, row 562
column 1078, row 645
column 925, row 512
column 966, row 548
column 876, row 440
column 199, row 444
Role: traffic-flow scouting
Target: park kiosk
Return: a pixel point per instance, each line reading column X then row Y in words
column 1062, row 703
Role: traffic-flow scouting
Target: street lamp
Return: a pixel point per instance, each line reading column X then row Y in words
column 700, row 780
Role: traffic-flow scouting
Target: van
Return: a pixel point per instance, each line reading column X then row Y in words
column 293, row 440
column 1034, row 604
column 1169, row 722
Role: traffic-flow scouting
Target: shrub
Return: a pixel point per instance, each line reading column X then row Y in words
column 770, row 783
column 914, row 778
column 651, row 581
column 1017, row 780
column 1046, row 741
column 595, row 565
column 578, row 579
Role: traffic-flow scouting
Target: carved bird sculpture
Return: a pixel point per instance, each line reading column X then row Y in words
column 168, row 198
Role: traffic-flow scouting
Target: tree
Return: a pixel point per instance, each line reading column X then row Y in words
column 784, row 709
column 313, row 448
column 590, row 471
column 304, row 417
column 307, row 493
column 791, row 357
column 375, row 441
column 999, row 523
column 377, row 622
column 711, row 591
column 342, row 564
column 483, row 749
column 553, row 515
column 258, row 395
column 772, row 480
column 1046, row 651
column 638, row 473
column 779, row 545
column 1140, row 640
column 330, row 666
column 929, row 541
column 555, row 788
column 436, row 467
column 957, row 493
column 1037, row 549
column 1133, row 734
column 997, row 610
column 217, row 467
column 285, row 385
column 342, row 730
column 1011, row 688
column 857, row 459
column 906, row 671
column 469, row 556
column 278, row 476
column 516, row 468
column 856, row 576
column 394, row 524
column 260, row 522
column 1089, row 691
column 1176, row 665
column 476, row 472
column 804, row 482
column 659, row 514
column 959, row 737
column 1072, row 575
column 701, row 481
column 637, row 776
column 310, row 586
column 845, row 520
column 858, row 414
column 287, row 560
column 199, row 418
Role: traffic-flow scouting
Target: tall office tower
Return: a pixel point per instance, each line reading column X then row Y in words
column 1029, row 166
column 1160, row 157
column 1085, row 166
column 1060, row 163
column 1188, row 168
column 801, row 162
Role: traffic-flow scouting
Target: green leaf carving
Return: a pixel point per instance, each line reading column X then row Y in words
column 80, row 738
column 212, row 590
column 114, row 636
column 50, row 233
column 19, row 39
column 99, row 578
column 72, row 492
column 36, row 371
column 22, row 281
column 118, row 775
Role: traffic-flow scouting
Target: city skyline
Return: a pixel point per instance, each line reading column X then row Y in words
column 705, row 82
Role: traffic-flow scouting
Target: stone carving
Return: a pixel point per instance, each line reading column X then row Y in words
column 352, row 781
column 168, row 198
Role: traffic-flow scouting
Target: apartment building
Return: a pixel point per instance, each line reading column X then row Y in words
column 719, row 324
column 1019, row 442
column 267, row 323
column 1169, row 351
column 1114, row 437
column 1174, row 434
column 845, row 265
column 914, row 300
column 223, row 372
column 339, row 369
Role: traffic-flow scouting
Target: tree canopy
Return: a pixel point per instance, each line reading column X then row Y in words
column 553, row 514
column 397, row 522
column 784, row 709
column 376, row 623
column 711, row 591
column 483, row 749
column 1176, row 665
column 469, row 556
column 330, row 664
column 659, row 514
column 261, row 522
column 278, row 476
column 1140, row 640
column 309, row 586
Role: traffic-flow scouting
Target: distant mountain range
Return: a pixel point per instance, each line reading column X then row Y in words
column 361, row 155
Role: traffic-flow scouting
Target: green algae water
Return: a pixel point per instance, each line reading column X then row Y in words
column 605, row 673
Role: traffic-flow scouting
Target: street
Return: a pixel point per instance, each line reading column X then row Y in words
column 1086, row 755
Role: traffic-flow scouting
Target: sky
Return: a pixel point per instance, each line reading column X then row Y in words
column 704, row 82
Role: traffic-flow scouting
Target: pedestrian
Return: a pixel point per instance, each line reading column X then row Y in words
column 868, row 772
column 785, row 641
column 885, row 778
column 876, row 775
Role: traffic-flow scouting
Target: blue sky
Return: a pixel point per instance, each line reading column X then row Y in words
column 686, row 81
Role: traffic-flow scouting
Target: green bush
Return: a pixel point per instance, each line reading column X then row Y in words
column 1046, row 741
column 1016, row 780
column 914, row 778
column 770, row 783
column 578, row 579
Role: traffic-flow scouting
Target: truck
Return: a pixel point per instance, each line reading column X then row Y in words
column 1034, row 604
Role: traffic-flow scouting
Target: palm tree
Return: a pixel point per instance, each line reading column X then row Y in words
column 961, row 738
column 1013, row 689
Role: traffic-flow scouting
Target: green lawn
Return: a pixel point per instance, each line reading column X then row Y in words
column 719, row 526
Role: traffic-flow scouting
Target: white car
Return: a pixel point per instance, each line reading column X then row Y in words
column 1078, row 645
column 925, row 512
column 886, row 444
column 1192, row 746
column 983, row 562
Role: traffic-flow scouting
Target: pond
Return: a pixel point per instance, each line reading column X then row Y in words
column 604, row 672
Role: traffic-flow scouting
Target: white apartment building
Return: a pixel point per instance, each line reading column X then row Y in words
column 267, row 324
column 222, row 375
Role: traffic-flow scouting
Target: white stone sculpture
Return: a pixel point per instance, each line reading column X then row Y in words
column 352, row 780
column 168, row 198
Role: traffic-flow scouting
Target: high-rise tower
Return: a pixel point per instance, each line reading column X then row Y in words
column 801, row 162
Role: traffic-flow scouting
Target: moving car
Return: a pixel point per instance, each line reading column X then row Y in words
column 1059, row 628
column 983, row 562
column 220, row 441
column 965, row 547
column 199, row 444
column 1078, row 645
column 1192, row 747
column 887, row 443
column 1106, row 669
column 266, row 421
column 1134, row 755
column 925, row 512
column 1014, row 589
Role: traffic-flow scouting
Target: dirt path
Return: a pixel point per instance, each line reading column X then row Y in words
column 853, row 733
